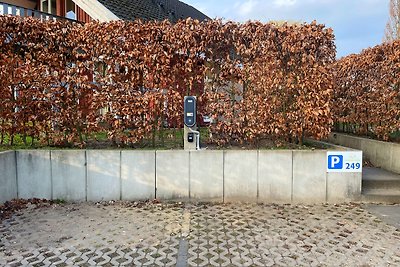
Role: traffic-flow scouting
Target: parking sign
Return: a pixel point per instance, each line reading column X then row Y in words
column 344, row 161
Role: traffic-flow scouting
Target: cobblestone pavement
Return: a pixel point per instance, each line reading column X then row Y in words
column 197, row 235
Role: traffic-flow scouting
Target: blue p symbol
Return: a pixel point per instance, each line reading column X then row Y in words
column 335, row 162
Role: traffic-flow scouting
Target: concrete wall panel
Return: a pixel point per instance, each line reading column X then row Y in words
column 68, row 171
column 395, row 159
column 34, row 174
column 172, row 174
column 369, row 150
column 346, row 140
column 309, row 176
column 8, row 178
column 138, row 175
column 206, row 175
column 103, row 175
column 275, row 176
column 383, row 154
column 343, row 187
column 240, row 176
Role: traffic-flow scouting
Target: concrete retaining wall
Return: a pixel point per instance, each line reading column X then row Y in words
column 384, row 155
column 103, row 175
column 138, row 173
column 275, row 176
column 207, row 176
column 8, row 176
column 309, row 176
column 34, row 174
column 68, row 172
column 240, row 176
column 172, row 174
column 270, row 176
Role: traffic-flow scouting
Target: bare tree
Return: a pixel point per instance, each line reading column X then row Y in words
column 392, row 31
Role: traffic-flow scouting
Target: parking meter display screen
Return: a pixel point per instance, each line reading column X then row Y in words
column 190, row 111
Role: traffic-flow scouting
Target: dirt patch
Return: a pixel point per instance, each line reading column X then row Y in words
column 15, row 205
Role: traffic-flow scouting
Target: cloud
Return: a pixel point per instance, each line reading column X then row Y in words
column 247, row 7
column 283, row 3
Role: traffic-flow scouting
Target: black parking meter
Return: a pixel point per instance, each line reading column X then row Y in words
column 189, row 110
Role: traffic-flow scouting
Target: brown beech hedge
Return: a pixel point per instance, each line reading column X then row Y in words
column 367, row 92
column 62, row 82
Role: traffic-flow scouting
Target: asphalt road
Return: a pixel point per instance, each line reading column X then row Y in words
column 388, row 213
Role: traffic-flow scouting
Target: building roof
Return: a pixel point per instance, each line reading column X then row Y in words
column 152, row 9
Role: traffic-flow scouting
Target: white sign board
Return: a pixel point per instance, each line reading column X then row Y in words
column 344, row 161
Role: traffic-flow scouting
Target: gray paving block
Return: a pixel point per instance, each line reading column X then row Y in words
column 8, row 177
column 34, row 174
column 138, row 175
column 172, row 174
column 275, row 176
column 206, row 175
column 103, row 175
column 309, row 176
column 68, row 172
column 240, row 175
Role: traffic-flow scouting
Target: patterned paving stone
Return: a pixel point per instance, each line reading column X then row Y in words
column 124, row 234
